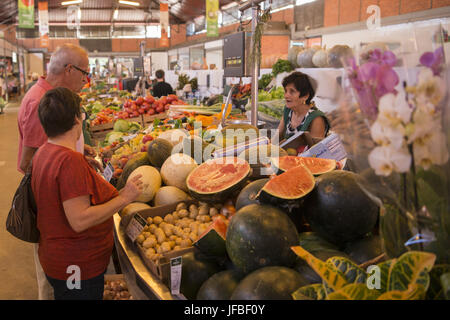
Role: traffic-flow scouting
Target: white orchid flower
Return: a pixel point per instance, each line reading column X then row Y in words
column 385, row 135
column 422, row 127
column 430, row 86
column 438, row 148
column 422, row 156
column 394, row 109
column 386, row 159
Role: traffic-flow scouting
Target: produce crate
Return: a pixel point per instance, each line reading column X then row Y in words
column 160, row 267
column 100, row 131
column 146, row 119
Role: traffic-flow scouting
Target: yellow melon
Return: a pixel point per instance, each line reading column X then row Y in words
column 151, row 182
column 168, row 195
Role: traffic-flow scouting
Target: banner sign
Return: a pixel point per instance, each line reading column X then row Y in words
column 164, row 22
column 26, row 13
column 212, row 18
column 43, row 23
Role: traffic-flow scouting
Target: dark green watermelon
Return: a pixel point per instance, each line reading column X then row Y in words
column 311, row 241
column 220, row 286
column 269, row 283
column 260, row 236
column 365, row 249
column 248, row 195
column 338, row 208
column 195, row 271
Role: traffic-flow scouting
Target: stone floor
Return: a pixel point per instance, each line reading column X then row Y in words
column 17, row 269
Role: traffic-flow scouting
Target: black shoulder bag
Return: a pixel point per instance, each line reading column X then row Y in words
column 22, row 217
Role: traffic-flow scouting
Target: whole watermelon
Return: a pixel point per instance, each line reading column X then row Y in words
column 220, row 286
column 269, row 283
column 195, row 271
column 364, row 249
column 260, row 236
column 338, row 209
column 249, row 192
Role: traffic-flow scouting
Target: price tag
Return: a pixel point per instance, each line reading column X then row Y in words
column 176, row 265
column 135, row 227
column 131, row 136
column 108, row 172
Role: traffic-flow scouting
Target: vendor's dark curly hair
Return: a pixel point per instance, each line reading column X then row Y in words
column 302, row 83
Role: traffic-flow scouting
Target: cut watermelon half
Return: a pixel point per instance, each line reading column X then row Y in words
column 289, row 186
column 212, row 242
column 317, row 166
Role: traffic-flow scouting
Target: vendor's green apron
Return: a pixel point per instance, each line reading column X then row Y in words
column 304, row 126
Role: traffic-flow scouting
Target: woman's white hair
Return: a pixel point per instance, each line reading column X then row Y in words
column 66, row 54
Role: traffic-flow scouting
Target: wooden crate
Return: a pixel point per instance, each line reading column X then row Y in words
column 160, row 267
column 146, row 119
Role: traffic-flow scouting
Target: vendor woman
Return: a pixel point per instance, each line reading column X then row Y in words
column 300, row 113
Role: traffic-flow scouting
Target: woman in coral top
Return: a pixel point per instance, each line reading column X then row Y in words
column 75, row 204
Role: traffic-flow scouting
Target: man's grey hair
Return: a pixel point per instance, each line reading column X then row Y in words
column 35, row 76
column 65, row 54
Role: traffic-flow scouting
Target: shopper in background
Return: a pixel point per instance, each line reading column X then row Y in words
column 34, row 79
column 161, row 88
column 300, row 113
column 75, row 204
column 68, row 68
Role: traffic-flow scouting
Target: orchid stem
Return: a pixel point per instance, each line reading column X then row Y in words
column 416, row 198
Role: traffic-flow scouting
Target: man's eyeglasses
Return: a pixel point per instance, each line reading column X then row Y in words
column 85, row 73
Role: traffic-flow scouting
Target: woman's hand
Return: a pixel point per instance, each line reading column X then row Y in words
column 132, row 189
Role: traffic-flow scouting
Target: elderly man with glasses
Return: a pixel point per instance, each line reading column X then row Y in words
column 69, row 68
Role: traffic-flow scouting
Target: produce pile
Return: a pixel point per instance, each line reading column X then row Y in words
column 116, row 290
column 307, row 202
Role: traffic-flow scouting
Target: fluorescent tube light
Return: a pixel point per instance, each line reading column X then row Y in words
column 131, row 3
column 116, row 14
column 66, row 3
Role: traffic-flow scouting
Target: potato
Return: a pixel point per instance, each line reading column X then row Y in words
column 176, row 248
column 193, row 207
column 181, row 206
column 169, row 218
column 175, row 216
column 183, row 213
column 165, row 247
column 205, row 218
column 193, row 237
column 140, row 239
column 168, row 229
column 186, row 243
column 108, row 295
column 162, row 224
column 152, row 228
column 172, row 237
column 149, row 220
column 201, row 229
column 149, row 243
column 124, row 294
column 157, row 220
column 177, row 231
column 203, row 204
column 172, row 244
column 146, row 234
column 187, row 230
column 213, row 211
column 145, row 228
column 203, row 211
column 193, row 214
column 178, row 240
column 150, row 251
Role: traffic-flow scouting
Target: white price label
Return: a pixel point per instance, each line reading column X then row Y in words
column 176, row 265
column 131, row 136
column 108, row 172
column 135, row 227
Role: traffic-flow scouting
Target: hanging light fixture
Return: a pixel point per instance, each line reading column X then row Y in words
column 116, row 14
column 66, row 3
column 131, row 3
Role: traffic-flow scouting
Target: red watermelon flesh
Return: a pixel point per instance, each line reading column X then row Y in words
column 317, row 166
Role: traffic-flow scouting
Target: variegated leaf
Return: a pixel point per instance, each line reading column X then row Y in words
column 354, row 291
column 328, row 272
column 385, row 271
column 350, row 270
column 412, row 267
column 445, row 283
column 312, row 292
column 435, row 290
column 414, row 292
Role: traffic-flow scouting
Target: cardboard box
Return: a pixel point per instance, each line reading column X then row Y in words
column 160, row 267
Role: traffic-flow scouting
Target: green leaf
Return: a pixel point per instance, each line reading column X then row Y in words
column 350, row 270
column 435, row 290
column 328, row 272
column 385, row 271
column 415, row 291
column 312, row 292
column 445, row 283
column 411, row 268
column 354, row 291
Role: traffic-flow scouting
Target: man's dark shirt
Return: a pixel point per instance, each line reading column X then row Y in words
column 162, row 89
